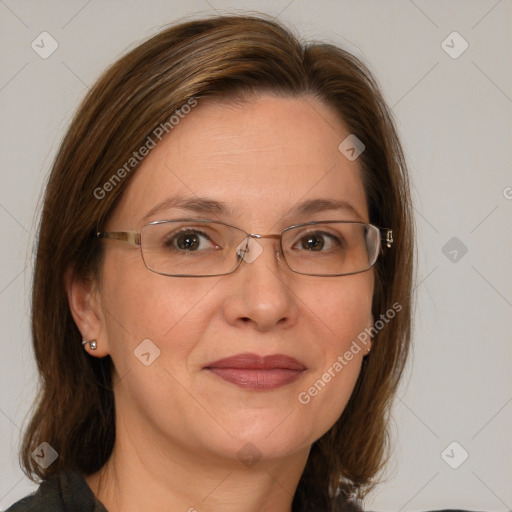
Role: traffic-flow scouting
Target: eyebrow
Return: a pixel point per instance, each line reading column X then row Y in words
column 205, row 205
column 194, row 204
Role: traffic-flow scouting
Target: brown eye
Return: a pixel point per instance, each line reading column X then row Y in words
column 312, row 243
column 188, row 241
column 318, row 242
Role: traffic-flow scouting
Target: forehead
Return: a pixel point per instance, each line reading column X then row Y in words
column 260, row 158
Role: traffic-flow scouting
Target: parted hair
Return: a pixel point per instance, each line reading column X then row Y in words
column 219, row 57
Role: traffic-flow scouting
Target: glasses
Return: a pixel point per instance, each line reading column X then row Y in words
column 201, row 248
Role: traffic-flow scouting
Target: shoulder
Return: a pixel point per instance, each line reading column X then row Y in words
column 60, row 493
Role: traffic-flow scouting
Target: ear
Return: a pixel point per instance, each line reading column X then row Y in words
column 85, row 306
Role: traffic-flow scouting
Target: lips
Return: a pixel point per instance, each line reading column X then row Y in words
column 257, row 373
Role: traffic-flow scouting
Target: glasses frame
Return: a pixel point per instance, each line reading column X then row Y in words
column 135, row 238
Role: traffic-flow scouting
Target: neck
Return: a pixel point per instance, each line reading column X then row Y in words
column 147, row 473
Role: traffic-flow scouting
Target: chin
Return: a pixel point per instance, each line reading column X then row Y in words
column 265, row 434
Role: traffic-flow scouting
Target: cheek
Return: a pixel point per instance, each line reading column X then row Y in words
column 153, row 324
column 344, row 312
column 140, row 305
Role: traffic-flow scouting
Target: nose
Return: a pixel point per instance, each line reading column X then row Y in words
column 261, row 293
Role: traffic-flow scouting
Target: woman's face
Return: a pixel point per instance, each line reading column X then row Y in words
column 260, row 159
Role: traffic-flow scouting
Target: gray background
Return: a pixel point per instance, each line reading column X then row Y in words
column 454, row 115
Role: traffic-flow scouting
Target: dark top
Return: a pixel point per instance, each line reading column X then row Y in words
column 65, row 492
column 68, row 492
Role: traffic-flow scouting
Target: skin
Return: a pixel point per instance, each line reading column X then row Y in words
column 179, row 427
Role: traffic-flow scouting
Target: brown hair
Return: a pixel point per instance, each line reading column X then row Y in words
column 221, row 56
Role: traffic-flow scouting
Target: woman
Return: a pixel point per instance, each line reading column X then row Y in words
column 221, row 299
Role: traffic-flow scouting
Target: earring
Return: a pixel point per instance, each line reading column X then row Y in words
column 92, row 344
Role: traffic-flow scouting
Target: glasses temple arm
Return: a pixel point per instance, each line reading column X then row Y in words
column 132, row 237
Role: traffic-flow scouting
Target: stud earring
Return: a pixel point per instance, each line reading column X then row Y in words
column 92, row 344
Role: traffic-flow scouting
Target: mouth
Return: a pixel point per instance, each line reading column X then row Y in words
column 257, row 373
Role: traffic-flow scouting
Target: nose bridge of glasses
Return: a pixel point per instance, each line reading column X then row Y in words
column 249, row 249
column 253, row 235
